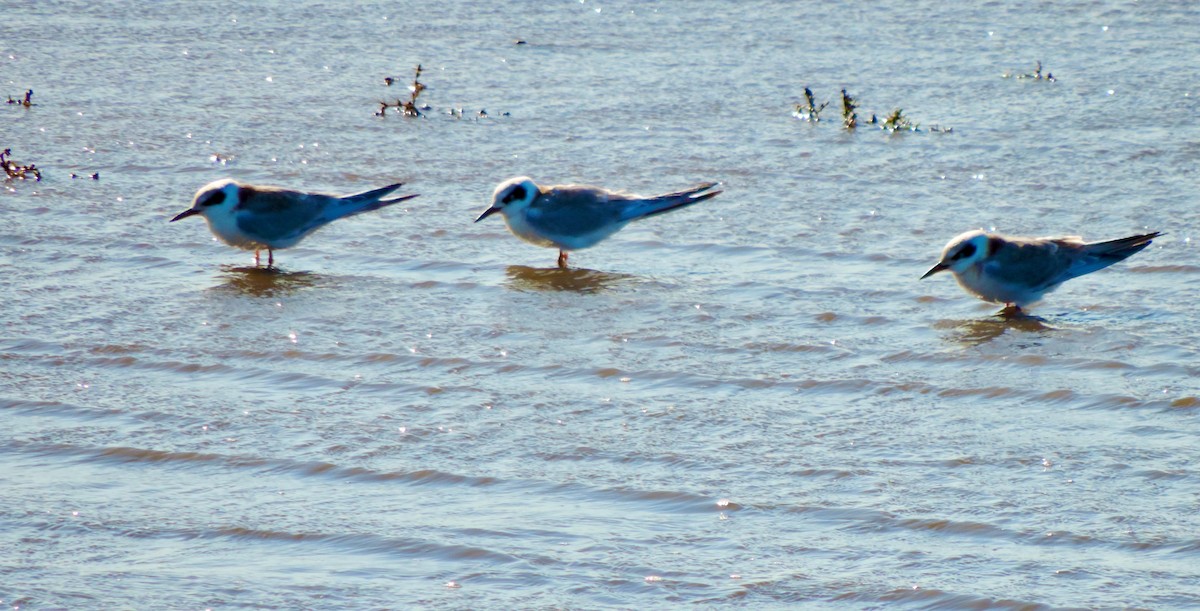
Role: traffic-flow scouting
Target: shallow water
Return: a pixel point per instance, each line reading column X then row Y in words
column 749, row 402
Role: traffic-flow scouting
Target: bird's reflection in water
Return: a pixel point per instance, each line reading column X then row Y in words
column 263, row 281
column 981, row 331
column 523, row 278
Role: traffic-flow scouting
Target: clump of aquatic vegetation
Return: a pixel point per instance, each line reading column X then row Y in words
column 1036, row 75
column 809, row 111
column 849, row 117
column 26, row 102
column 13, row 169
column 895, row 121
column 407, row 107
column 411, row 108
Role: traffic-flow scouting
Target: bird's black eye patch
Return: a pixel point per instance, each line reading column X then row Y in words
column 966, row 251
column 517, row 193
column 213, row 199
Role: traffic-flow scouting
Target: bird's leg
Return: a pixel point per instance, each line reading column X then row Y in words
column 270, row 258
column 256, row 258
column 1010, row 310
column 562, row 259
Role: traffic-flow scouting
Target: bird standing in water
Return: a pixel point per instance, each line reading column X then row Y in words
column 1020, row 271
column 256, row 218
column 571, row 217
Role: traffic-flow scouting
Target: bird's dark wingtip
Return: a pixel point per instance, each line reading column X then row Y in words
column 399, row 199
column 1144, row 239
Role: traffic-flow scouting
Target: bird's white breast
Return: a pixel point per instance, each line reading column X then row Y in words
column 987, row 287
column 224, row 225
column 520, row 227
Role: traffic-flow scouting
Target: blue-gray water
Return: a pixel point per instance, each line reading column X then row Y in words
column 751, row 402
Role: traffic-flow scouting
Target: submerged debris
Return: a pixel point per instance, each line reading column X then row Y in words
column 13, row 169
column 27, row 102
column 1035, row 76
column 896, row 121
column 407, row 108
column 809, row 111
column 849, row 118
column 410, row 107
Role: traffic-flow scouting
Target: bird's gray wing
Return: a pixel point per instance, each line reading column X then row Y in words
column 1036, row 263
column 279, row 214
column 572, row 210
column 1099, row 255
column 636, row 207
column 349, row 205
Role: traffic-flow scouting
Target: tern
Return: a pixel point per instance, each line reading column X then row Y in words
column 254, row 217
column 571, row 217
column 1018, row 271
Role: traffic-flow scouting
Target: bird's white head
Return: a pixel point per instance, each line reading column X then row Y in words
column 215, row 197
column 512, row 195
column 962, row 252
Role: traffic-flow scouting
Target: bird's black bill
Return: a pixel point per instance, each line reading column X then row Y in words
column 935, row 269
column 185, row 214
column 487, row 213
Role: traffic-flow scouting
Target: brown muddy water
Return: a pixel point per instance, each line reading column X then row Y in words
column 751, row 402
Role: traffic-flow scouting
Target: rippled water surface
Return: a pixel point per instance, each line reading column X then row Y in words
column 752, row 402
